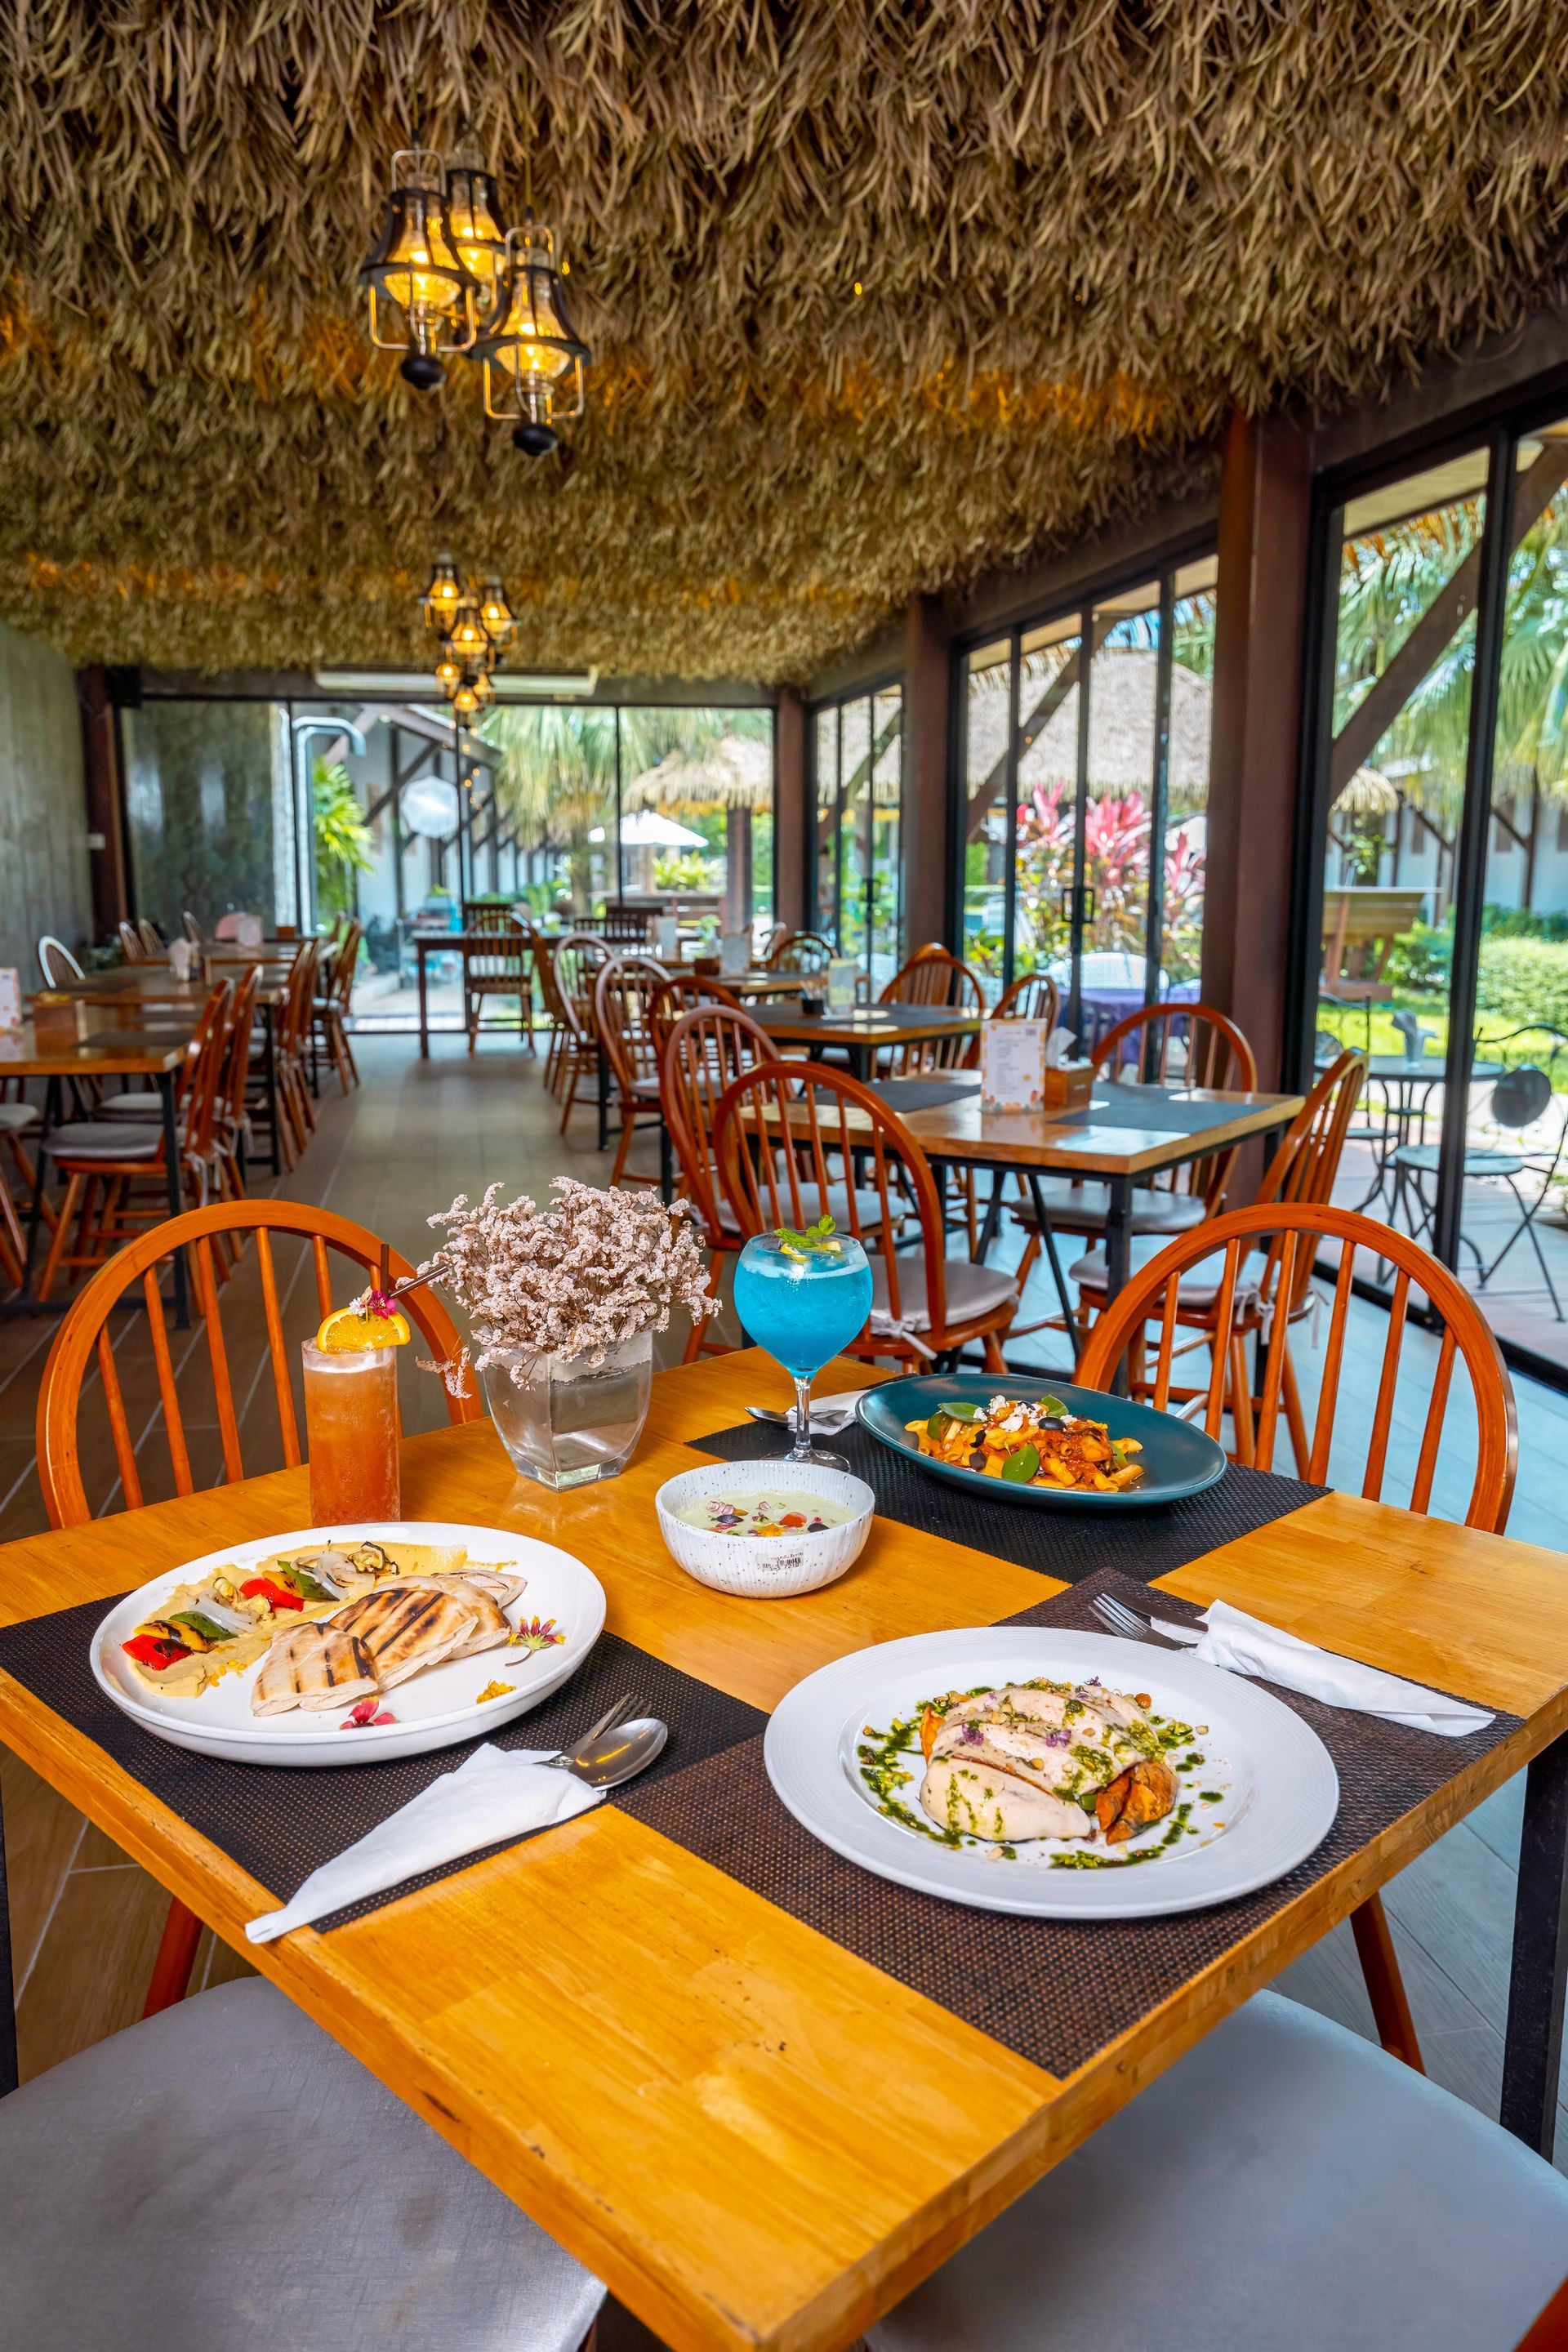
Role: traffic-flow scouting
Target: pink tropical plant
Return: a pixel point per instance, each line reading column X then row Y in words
column 1116, row 866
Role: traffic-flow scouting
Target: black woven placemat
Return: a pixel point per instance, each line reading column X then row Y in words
column 1068, row 1544
column 1055, row 1990
column 281, row 1823
column 905, row 1095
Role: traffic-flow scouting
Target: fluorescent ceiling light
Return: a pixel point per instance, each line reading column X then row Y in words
column 510, row 685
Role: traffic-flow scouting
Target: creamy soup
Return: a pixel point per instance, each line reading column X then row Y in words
column 771, row 1513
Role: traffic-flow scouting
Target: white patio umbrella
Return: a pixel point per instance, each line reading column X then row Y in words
column 648, row 830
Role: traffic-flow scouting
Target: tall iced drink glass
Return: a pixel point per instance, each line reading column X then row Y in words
column 351, row 1434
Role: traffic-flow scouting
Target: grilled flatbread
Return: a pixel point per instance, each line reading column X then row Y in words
column 314, row 1666
column 492, row 1625
column 406, row 1628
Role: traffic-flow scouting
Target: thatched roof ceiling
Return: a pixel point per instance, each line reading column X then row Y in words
column 1082, row 230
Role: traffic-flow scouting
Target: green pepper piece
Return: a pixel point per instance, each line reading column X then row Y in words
column 297, row 1581
column 205, row 1626
column 1020, row 1467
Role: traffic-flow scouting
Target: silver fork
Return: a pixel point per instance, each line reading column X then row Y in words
column 1128, row 1625
column 619, row 1713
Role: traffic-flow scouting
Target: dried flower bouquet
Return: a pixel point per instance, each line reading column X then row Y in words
column 577, row 1279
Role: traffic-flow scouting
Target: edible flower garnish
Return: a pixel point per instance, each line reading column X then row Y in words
column 817, row 1241
column 368, row 1711
column 539, row 1635
column 495, row 1690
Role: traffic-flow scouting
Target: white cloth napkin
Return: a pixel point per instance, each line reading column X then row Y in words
column 1245, row 1645
column 495, row 1794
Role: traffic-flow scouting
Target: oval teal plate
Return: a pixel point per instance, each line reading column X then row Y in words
column 1178, row 1460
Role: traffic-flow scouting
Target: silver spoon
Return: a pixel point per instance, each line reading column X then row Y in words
column 607, row 1758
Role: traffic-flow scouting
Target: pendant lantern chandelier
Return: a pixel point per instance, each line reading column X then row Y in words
column 447, row 276
column 476, row 623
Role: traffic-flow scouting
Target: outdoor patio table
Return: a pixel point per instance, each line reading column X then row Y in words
column 1407, row 1088
column 98, row 1054
column 1104, row 1007
column 750, row 2088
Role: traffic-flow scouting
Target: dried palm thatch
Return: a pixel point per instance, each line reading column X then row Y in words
column 736, row 772
column 1082, row 230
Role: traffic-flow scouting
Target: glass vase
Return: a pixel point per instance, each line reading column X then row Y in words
column 569, row 1420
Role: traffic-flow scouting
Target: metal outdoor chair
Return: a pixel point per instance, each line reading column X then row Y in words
column 1519, row 1099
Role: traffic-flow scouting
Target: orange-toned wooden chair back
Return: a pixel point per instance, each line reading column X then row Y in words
column 84, row 1340
column 154, row 946
column 578, row 957
column 1187, row 1045
column 237, row 1064
column 345, row 964
column 933, row 976
column 207, row 1063
column 847, row 1157
column 623, row 990
column 802, row 952
column 486, row 915
column 130, row 946
column 705, row 1050
column 1033, row 996
column 300, row 991
column 682, row 993
column 1292, row 1231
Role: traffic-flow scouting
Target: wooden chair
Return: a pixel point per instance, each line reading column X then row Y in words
column 933, row 976
column 626, row 927
column 704, row 1050
column 623, row 990
column 576, row 961
column 84, row 1345
column 115, row 1169
column 295, row 1112
column 130, row 946
column 505, row 974
column 848, row 1157
column 1261, row 1305
column 804, row 951
column 153, row 944
column 1192, row 1044
column 682, row 993
column 192, row 929
column 231, row 1140
column 57, row 963
column 1033, row 996
column 330, row 1012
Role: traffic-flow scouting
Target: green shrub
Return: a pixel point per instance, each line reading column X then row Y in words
column 1523, row 981
column 1421, row 957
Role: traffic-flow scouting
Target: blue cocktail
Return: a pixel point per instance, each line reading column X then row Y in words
column 803, row 1296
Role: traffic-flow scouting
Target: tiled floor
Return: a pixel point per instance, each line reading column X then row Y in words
column 416, row 1133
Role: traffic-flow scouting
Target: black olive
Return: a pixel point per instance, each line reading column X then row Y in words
column 977, row 1459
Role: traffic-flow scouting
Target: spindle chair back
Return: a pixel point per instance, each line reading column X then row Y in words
column 56, row 961
column 797, row 1141
column 623, row 990
column 1033, row 996
column 130, row 946
column 192, row 929
column 934, row 977
column 577, row 959
column 683, row 993
column 703, row 1051
column 1188, row 1045
column 805, row 951
column 155, row 945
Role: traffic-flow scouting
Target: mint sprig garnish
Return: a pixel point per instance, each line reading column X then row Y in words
column 817, row 1241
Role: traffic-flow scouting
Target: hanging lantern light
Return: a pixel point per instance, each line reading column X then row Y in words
column 442, row 594
column 497, row 615
column 423, row 296
column 465, row 701
column 532, row 360
column 448, row 671
column 473, row 209
column 470, row 638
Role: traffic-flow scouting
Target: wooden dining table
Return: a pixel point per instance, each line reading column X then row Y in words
column 752, row 2123
column 861, row 1032
column 138, row 995
column 62, row 1060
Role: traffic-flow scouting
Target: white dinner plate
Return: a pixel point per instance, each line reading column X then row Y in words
column 433, row 1709
column 1262, row 1795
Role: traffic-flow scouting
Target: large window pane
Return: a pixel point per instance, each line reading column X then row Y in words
column 1045, row 845
column 210, row 795
column 1403, row 658
column 696, row 803
column 1187, row 770
column 853, row 826
column 857, row 755
column 885, row 923
column 988, row 678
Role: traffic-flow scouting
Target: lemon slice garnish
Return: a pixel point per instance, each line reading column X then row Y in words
column 347, row 1332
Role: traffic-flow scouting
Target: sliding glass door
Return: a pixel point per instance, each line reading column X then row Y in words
column 858, row 800
column 1082, row 824
column 1441, row 783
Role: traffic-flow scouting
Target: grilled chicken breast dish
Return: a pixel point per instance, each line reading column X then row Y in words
column 1051, row 1759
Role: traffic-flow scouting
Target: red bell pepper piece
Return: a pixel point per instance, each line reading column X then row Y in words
column 153, row 1650
column 277, row 1596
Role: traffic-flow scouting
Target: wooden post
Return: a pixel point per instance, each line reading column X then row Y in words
column 1264, row 511
column 790, row 814
column 103, row 767
column 929, row 879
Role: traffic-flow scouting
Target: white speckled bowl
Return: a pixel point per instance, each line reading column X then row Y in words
column 765, row 1567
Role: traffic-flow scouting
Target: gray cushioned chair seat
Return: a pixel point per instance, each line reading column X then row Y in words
column 146, row 1106
column 222, row 2178
column 15, row 1117
column 972, row 1290
column 1199, row 1287
column 1083, row 1209
column 1285, row 2185
column 109, row 1139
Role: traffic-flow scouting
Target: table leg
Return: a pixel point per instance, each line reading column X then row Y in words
column 1532, row 2046
column 1048, row 1240
column 51, row 1118
column 992, row 1223
column 172, row 1172
column 422, row 969
column 604, row 1061
column 269, row 1074
column 1118, row 1221
column 7, row 1985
